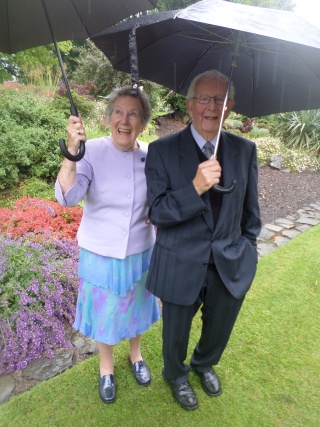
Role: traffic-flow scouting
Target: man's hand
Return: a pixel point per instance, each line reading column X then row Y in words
column 208, row 174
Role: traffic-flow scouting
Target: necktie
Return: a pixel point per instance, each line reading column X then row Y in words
column 208, row 149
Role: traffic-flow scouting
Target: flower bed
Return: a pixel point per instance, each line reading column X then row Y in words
column 38, row 280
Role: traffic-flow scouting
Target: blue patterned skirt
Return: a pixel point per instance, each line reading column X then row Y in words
column 113, row 303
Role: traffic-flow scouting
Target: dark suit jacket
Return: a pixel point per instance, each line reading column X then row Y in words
column 186, row 234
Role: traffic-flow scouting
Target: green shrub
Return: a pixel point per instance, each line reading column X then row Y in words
column 29, row 132
column 299, row 129
column 31, row 123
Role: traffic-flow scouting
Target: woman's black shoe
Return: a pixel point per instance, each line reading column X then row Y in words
column 107, row 388
column 141, row 372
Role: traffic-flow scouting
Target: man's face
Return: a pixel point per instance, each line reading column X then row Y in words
column 206, row 117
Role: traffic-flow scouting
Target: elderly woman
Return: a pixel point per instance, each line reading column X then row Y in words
column 115, row 236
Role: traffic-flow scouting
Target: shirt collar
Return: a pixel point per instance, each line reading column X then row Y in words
column 199, row 139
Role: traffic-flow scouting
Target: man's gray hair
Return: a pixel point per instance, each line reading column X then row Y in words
column 210, row 75
column 127, row 91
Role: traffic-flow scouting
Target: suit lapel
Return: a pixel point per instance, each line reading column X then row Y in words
column 189, row 162
column 230, row 157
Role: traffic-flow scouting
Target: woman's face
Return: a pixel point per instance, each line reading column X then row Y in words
column 126, row 122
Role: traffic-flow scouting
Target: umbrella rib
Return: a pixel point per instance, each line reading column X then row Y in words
column 80, row 17
column 195, row 63
column 245, row 45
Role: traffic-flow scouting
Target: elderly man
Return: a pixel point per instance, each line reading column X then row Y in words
column 205, row 253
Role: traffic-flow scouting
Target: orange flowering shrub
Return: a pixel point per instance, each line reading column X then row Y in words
column 33, row 215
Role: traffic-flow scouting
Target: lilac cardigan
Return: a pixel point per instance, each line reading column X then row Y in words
column 113, row 184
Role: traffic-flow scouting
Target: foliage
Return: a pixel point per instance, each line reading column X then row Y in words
column 38, row 216
column 31, row 123
column 82, row 96
column 300, row 129
column 295, row 159
column 38, row 283
column 31, row 187
column 29, row 129
column 38, row 288
column 91, row 64
column 38, row 65
column 177, row 102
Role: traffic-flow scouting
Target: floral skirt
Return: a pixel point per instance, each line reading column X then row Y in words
column 106, row 316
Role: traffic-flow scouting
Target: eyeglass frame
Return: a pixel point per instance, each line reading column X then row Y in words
column 209, row 98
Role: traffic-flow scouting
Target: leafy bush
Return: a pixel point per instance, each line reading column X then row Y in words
column 38, row 279
column 39, row 216
column 82, row 95
column 295, row 159
column 31, row 123
column 38, row 288
column 29, row 133
column 299, row 129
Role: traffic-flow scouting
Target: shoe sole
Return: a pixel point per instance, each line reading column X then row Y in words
column 209, row 393
column 206, row 390
column 187, row 408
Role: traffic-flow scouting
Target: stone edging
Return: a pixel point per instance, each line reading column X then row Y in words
column 44, row 368
column 284, row 229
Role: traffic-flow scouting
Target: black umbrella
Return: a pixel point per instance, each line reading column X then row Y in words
column 30, row 23
column 276, row 53
column 273, row 56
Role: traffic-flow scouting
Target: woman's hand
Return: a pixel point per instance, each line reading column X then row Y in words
column 76, row 133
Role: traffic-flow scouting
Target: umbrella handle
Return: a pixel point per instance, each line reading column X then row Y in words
column 225, row 190
column 63, row 147
column 69, row 156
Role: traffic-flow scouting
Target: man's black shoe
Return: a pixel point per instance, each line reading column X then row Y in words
column 184, row 395
column 210, row 382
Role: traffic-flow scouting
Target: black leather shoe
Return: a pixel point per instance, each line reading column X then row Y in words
column 184, row 395
column 210, row 382
column 107, row 388
column 141, row 372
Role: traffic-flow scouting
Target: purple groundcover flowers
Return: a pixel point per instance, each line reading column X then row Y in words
column 38, row 291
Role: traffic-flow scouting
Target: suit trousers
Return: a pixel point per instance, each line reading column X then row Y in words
column 219, row 313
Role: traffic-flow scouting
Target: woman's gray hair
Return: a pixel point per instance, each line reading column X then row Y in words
column 215, row 75
column 127, row 91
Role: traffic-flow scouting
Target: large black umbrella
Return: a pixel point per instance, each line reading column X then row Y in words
column 30, row 23
column 275, row 53
column 272, row 56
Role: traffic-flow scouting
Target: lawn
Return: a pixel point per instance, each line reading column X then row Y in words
column 269, row 371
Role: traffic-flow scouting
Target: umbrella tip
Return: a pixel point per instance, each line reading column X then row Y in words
column 134, row 89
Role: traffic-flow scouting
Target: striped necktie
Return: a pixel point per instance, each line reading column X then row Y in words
column 208, row 149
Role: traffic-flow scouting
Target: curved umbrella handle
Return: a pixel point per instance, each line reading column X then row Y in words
column 69, row 156
column 225, row 190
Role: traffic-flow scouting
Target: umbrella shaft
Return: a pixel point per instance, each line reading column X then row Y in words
column 73, row 108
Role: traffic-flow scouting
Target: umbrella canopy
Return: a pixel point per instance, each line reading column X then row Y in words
column 30, row 23
column 23, row 23
column 274, row 54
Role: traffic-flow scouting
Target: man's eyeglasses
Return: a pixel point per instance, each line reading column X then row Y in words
column 205, row 99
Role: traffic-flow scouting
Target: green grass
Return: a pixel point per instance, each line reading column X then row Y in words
column 269, row 371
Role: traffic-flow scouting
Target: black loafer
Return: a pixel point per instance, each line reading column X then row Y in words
column 141, row 372
column 107, row 388
column 184, row 395
column 210, row 382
